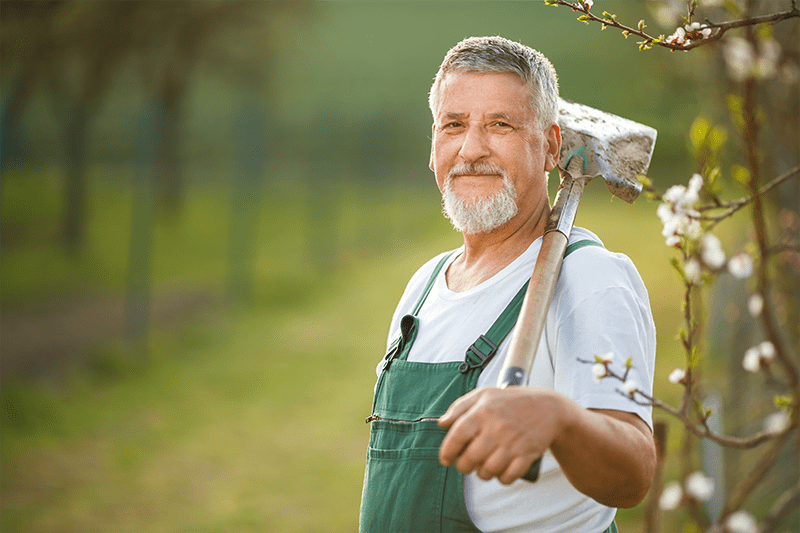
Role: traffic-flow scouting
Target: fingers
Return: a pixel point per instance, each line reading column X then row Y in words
column 457, row 409
column 489, row 459
column 490, row 434
column 462, row 432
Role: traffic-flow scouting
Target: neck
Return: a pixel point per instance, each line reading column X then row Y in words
column 486, row 254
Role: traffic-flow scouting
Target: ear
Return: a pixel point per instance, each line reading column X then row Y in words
column 552, row 139
column 433, row 132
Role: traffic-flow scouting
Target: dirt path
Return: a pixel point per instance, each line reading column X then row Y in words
column 47, row 342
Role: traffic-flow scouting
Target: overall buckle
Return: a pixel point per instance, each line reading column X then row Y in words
column 479, row 358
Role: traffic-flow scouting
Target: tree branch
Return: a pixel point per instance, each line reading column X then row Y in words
column 701, row 430
column 788, row 501
column 718, row 29
column 753, row 478
column 734, row 206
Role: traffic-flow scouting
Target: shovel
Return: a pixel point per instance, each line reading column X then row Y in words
column 594, row 144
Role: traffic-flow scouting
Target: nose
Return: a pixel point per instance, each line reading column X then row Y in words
column 475, row 145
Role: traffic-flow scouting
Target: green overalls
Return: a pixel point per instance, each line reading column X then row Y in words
column 406, row 489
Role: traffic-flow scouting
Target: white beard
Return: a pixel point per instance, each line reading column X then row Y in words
column 484, row 214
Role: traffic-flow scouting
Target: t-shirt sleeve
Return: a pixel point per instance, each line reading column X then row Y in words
column 612, row 317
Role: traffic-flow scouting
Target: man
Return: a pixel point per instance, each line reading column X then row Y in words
column 447, row 449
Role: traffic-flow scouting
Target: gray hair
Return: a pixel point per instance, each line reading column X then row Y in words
column 497, row 54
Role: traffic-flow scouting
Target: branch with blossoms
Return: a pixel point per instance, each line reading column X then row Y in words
column 703, row 259
column 690, row 214
column 686, row 37
column 697, row 487
column 775, row 425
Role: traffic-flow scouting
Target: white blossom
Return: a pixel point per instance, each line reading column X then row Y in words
column 599, row 371
column 677, row 375
column 752, row 359
column 739, row 57
column 692, row 270
column 671, row 497
column 694, row 26
column 755, row 304
column 674, row 194
column 711, row 251
column 677, row 211
column 744, row 61
column 699, row 486
column 769, row 55
column 741, row 265
column 679, row 37
column 706, row 32
column 588, row 4
column 629, row 387
column 741, row 522
column 606, row 358
column 776, row 423
column 766, row 351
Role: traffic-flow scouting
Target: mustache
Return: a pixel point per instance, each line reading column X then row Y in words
column 464, row 169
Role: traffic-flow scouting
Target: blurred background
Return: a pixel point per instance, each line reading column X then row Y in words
column 209, row 210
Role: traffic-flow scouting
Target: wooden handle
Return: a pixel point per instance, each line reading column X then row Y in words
column 532, row 315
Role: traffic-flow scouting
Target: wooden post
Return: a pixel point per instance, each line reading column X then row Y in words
column 651, row 511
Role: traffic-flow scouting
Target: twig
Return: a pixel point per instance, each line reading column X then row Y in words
column 788, row 501
column 753, row 478
column 733, row 206
column 649, row 40
column 700, row 430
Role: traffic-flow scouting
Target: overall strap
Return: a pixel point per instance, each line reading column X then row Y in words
column 409, row 322
column 484, row 348
column 431, row 281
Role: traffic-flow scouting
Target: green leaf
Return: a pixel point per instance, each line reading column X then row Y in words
column 736, row 109
column 676, row 264
column 698, row 133
column 782, row 402
column 642, row 25
column 741, row 175
column 629, row 362
column 584, row 19
column 713, row 182
column 717, row 138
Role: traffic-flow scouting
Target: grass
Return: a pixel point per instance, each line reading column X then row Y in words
column 250, row 419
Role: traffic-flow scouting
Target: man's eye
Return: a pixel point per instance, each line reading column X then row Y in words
column 452, row 125
column 502, row 124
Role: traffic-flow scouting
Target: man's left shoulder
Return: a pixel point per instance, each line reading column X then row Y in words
column 590, row 268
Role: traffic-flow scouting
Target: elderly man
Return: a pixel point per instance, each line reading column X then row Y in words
column 448, row 450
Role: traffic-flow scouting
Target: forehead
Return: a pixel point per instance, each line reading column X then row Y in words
column 484, row 93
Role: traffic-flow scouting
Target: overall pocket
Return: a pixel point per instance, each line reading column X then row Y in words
column 404, row 481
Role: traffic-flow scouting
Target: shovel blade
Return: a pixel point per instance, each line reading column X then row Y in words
column 614, row 148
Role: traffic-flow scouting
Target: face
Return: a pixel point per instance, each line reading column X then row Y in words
column 486, row 140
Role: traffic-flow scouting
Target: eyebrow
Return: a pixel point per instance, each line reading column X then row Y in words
column 452, row 115
column 502, row 116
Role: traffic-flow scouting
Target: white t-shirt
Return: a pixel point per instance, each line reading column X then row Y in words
column 600, row 305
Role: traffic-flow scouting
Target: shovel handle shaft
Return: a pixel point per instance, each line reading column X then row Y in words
column 528, row 331
column 531, row 320
column 536, row 303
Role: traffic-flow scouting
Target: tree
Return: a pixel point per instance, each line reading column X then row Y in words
column 758, row 69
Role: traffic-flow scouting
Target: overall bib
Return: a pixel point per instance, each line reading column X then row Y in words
column 406, row 489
